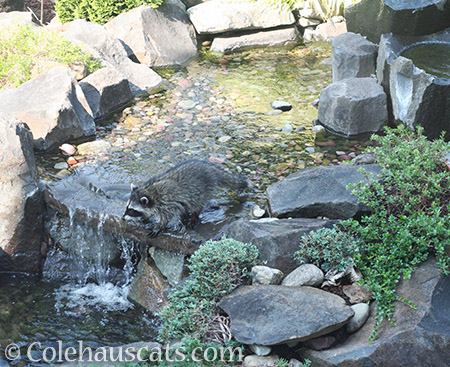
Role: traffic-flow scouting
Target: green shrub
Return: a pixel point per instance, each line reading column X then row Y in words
column 99, row 11
column 327, row 249
column 217, row 268
column 410, row 215
column 24, row 49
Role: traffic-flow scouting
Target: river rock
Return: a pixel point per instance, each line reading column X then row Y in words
column 276, row 239
column 318, row 191
column 54, row 107
column 15, row 17
column 95, row 39
column 157, row 37
column 277, row 37
column 264, row 275
column 21, row 209
column 257, row 361
column 353, row 106
column 274, row 314
column 421, row 337
column 412, row 18
column 359, row 318
column 260, row 350
column 219, row 16
column 106, row 90
column 281, row 105
column 353, row 56
column 306, row 274
column 148, row 287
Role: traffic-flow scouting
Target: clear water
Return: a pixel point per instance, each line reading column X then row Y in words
column 434, row 58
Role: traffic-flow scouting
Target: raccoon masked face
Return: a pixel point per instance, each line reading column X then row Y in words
column 140, row 206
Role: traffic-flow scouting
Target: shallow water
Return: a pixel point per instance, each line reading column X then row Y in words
column 433, row 58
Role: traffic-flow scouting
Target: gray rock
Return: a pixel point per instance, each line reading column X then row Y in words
column 260, row 350
column 21, row 211
column 148, row 287
column 54, row 107
column 257, row 361
column 219, row 16
column 310, row 150
column 274, row 314
column 419, row 98
column 412, row 17
column 364, row 158
column 277, row 37
column 94, row 147
column 265, row 275
column 326, row 31
column 288, row 128
column 170, row 264
column 95, row 39
column 187, row 104
column 106, row 91
column 61, row 165
column 15, row 17
column 281, row 105
column 359, row 318
column 277, row 240
column 157, row 37
column 318, row 192
column 353, row 56
column 421, row 337
column 306, row 274
column 353, row 106
column 274, row 112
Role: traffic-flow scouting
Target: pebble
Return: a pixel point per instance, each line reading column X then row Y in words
column 224, row 139
column 274, row 112
column 300, row 129
column 61, row 165
column 359, row 318
column 68, row 149
column 71, row 161
column 310, row 150
column 187, row 104
column 340, row 152
column 288, row 128
column 206, row 43
column 257, row 211
column 318, row 129
column 281, row 105
column 260, row 350
column 257, row 361
column 97, row 146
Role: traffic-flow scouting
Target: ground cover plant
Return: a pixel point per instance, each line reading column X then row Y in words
column 26, row 51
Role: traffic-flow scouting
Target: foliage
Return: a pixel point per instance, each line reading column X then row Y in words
column 328, row 248
column 25, row 49
column 99, row 11
column 217, row 268
column 410, row 212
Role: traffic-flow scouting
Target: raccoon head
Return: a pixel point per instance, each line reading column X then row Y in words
column 142, row 207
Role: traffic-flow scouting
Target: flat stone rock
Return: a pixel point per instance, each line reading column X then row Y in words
column 402, row 17
column 277, row 239
column 271, row 314
column 353, row 56
column 21, row 209
column 157, row 37
column 353, row 107
column 281, row 105
column 318, row 192
column 106, row 91
column 54, row 107
column 219, row 16
column 278, row 37
column 421, row 337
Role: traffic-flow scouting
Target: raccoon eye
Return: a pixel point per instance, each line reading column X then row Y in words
column 144, row 200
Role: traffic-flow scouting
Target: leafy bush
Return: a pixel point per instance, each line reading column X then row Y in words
column 99, row 11
column 217, row 268
column 327, row 249
column 25, row 49
column 410, row 215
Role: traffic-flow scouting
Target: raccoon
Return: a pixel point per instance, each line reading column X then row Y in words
column 180, row 194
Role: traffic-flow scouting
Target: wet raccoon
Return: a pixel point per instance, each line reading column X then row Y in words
column 179, row 194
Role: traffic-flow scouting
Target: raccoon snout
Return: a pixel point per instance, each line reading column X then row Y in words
column 131, row 213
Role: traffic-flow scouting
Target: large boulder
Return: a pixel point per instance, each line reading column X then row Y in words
column 15, row 17
column 278, row 37
column 161, row 37
column 106, row 90
column 21, row 209
column 277, row 239
column 354, row 106
column 319, row 192
column 11, row 5
column 218, row 16
column 95, row 39
column 372, row 18
column 421, row 336
column 353, row 56
column 54, row 107
column 274, row 314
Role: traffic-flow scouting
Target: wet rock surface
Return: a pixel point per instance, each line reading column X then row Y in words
column 318, row 192
column 421, row 336
column 270, row 314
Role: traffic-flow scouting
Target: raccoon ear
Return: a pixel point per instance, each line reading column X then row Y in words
column 144, row 200
column 133, row 186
